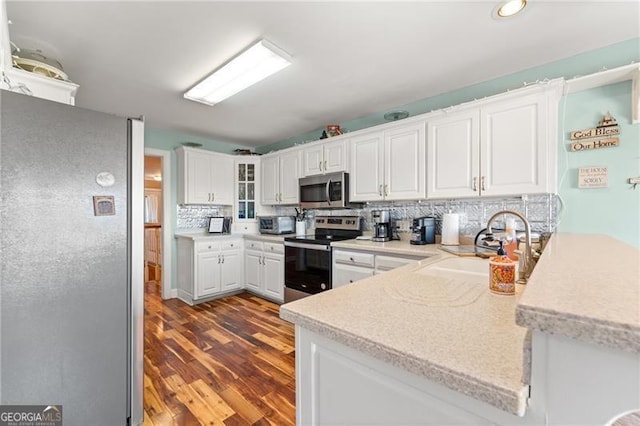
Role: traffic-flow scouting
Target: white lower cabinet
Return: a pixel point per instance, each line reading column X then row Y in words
column 264, row 269
column 351, row 266
column 208, row 268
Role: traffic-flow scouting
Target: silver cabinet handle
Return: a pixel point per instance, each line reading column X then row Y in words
column 350, row 281
column 475, row 183
column 218, row 259
column 320, row 165
column 351, row 259
column 325, row 165
column 482, row 183
column 209, row 247
column 276, row 196
column 264, row 262
column 213, row 196
column 385, row 190
column 223, row 258
column 231, row 245
column 380, row 190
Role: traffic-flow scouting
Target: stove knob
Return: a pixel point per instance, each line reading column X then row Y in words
column 323, row 286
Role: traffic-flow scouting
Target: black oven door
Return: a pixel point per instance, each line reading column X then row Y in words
column 307, row 267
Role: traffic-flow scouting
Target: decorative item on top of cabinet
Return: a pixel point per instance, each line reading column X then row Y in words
column 505, row 145
column 325, row 157
column 204, row 177
column 279, row 177
column 388, row 165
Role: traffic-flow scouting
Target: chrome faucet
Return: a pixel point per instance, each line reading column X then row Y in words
column 527, row 262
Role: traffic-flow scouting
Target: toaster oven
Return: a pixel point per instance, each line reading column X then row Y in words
column 277, row 224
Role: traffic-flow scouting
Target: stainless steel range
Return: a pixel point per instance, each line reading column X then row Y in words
column 308, row 259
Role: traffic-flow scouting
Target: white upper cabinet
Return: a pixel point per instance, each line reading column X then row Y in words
column 326, row 157
column 405, row 162
column 388, row 165
column 453, row 155
column 514, row 147
column 505, row 146
column 367, row 167
column 205, row 177
column 279, row 179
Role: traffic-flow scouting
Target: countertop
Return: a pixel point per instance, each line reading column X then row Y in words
column 403, row 248
column 586, row 287
column 475, row 348
column 201, row 234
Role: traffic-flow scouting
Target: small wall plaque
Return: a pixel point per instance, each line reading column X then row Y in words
column 104, row 205
column 593, row 177
column 595, row 144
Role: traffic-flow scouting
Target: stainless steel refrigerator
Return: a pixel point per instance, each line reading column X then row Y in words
column 71, row 256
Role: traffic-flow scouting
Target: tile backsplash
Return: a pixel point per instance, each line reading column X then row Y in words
column 541, row 211
column 197, row 216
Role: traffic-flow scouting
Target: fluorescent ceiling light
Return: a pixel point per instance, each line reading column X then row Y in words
column 510, row 8
column 254, row 64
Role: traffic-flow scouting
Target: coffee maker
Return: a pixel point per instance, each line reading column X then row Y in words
column 423, row 231
column 382, row 227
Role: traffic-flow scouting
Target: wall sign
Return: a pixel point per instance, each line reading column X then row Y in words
column 606, row 128
column 597, row 144
column 593, row 177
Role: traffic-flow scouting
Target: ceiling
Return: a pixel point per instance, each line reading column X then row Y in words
column 350, row 59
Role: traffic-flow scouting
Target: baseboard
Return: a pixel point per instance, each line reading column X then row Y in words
column 173, row 293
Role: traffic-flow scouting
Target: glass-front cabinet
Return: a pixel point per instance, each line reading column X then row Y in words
column 247, row 172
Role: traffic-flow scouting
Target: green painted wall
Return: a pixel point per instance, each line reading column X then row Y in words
column 585, row 63
column 614, row 210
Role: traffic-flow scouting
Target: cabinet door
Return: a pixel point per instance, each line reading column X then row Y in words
column 347, row 274
column 312, row 160
column 269, row 184
column 453, row 155
column 208, row 274
column 405, row 163
column 231, row 270
column 199, row 176
column 222, row 173
column 289, row 174
column 335, row 156
column 514, row 146
column 253, row 270
column 273, row 276
column 366, row 165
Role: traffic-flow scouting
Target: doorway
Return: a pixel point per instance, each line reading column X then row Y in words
column 157, row 232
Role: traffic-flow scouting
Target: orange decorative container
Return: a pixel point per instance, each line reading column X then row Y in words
column 502, row 274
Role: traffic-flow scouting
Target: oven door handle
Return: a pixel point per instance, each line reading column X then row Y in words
column 327, row 189
column 319, row 247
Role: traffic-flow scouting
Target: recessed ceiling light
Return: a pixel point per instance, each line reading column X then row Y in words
column 510, row 8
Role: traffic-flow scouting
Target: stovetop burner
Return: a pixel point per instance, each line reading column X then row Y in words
column 332, row 228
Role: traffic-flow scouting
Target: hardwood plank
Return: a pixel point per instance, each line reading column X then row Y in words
column 225, row 362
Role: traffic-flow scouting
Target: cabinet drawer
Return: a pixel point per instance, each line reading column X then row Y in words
column 347, row 274
column 231, row 244
column 273, row 248
column 253, row 245
column 387, row 263
column 205, row 246
column 353, row 258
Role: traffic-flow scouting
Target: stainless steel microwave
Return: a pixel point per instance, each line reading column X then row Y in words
column 330, row 191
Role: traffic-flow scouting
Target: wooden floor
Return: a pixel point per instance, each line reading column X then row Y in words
column 226, row 362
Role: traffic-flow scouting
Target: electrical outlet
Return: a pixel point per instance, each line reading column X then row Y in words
column 403, row 225
column 634, row 181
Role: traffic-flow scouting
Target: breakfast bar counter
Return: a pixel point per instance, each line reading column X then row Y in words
column 439, row 330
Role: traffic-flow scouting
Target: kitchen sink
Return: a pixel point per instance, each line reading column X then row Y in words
column 450, row 282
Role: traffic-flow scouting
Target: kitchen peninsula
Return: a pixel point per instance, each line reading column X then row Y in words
column 423, row 345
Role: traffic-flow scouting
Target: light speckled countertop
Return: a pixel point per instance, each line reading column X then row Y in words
column 389, row 247
column 202, row 234
column 586, row 287
column 474, row 348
